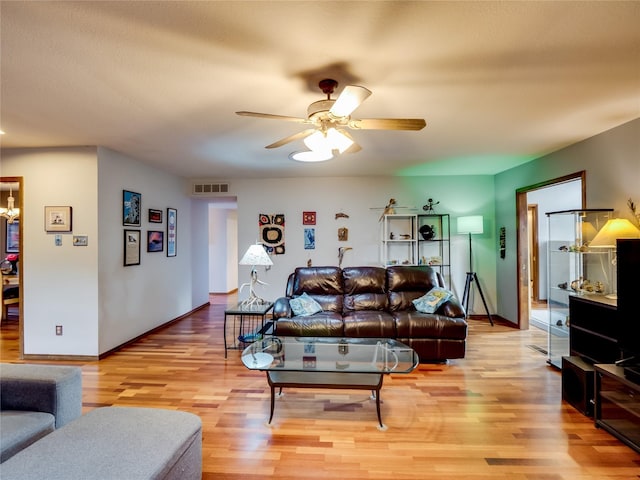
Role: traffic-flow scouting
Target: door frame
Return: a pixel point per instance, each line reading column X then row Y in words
column 19, row 181
column 535, row 254
column 522, row 239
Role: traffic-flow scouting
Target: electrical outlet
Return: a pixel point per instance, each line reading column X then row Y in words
column 58, row 329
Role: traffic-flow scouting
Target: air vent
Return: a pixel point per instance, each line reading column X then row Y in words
column 206, row 188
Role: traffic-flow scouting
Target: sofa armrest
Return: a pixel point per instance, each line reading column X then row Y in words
column 42, row 388
column 282, row 308
column 452, row 308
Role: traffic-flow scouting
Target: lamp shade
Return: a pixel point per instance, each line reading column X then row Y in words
column 470, row 224
column 614, row 229
column 256, row 255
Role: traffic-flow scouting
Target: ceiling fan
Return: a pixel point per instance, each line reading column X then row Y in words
column 329, row 120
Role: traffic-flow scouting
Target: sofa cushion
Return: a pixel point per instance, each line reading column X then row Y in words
column 364, row 280
column 366, row 323
column 431, row 301
column 323, row 284
column 365, row 288
column 323, row 324
column 428, row 325
column 19, row 429
column 304, row 305
column 407, row 283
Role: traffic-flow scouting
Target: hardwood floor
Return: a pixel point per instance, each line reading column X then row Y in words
column 496, row 414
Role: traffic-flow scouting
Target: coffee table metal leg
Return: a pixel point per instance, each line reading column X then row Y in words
column 273, row 392
column 376, row 394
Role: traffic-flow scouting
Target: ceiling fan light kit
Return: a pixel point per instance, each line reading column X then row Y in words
column 326, row 140
column 311, row 156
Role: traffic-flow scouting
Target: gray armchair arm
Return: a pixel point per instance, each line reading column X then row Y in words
column 42, row 388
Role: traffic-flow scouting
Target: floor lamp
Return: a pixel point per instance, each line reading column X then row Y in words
column 472, row 225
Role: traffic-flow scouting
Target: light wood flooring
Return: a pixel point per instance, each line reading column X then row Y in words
column 496, row 414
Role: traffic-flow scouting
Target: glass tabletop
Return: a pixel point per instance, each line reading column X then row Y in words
column 330, row 354
column 254, row 308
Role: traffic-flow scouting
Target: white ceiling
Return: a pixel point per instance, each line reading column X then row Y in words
column 499, row 83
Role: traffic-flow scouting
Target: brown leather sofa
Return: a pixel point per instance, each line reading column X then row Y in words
column 374, row 302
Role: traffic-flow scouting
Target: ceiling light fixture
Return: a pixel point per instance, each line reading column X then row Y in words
column 311, row 156
column 331, row 140
column 11, row 212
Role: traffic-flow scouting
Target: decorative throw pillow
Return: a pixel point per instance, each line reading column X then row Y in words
column 431, row 301
column 304, row 305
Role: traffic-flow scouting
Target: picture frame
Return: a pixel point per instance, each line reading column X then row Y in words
column 12, row 239
column 58, row 218
column 131, row 208
column 155, row 216
column 131, row 247
column 155, row 240
column 308, row 218
column 172, row 232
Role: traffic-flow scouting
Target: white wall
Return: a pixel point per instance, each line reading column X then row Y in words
column 363, row 199
column 136, row 299
column 60, row 283
column 612, row 177
column 99, row 302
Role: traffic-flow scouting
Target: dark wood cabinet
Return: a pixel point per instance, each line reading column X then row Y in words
column 592, row 339
column 617, row 404
column 593, row 328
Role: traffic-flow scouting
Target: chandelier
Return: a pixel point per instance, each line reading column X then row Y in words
column 11, row 212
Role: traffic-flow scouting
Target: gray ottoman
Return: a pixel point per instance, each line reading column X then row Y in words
column 115, row 443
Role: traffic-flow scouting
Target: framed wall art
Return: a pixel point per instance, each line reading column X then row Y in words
column 272, row 232
column 131, row 247
column 172, row 231
column 308, row 218
column 155, row 241
column 12, row 244
column 57, row 219
column 131, row 208
column 155, row 216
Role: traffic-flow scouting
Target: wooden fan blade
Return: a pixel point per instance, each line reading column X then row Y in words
column 350, row 99
column 292, row 138
column 273, row 117
column 388, row 124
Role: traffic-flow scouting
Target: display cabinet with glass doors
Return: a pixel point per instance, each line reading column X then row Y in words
column 573, row 268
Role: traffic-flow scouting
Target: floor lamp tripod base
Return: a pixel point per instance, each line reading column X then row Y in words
column 472, row 277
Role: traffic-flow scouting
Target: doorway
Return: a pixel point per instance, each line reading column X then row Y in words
column 563, row 193
column 10, row 245
column 223, row 245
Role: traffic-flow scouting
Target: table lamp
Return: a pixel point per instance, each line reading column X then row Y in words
column 254, row 256
column 614, row 229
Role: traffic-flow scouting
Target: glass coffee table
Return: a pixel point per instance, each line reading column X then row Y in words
column 329, row 362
